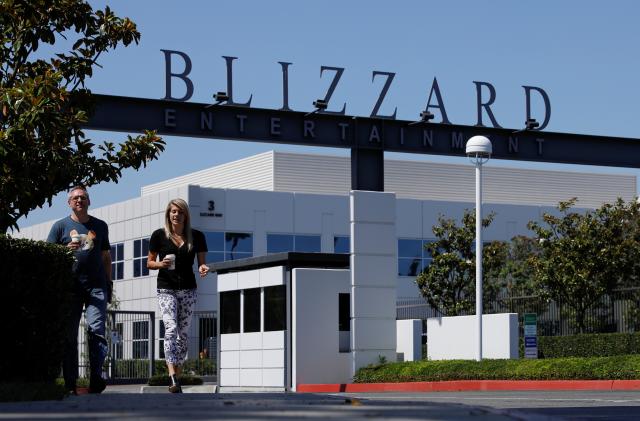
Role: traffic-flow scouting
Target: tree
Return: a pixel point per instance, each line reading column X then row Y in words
column 585, row 255
column 44, row 103
column 448, row 283
column 516, row 275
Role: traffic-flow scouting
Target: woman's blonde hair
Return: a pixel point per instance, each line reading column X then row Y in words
column 168, row 228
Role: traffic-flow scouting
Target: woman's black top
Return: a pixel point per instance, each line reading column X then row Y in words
column 182, row 277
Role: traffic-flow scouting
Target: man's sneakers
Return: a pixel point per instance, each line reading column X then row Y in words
column 70, row 390
column 97, row 384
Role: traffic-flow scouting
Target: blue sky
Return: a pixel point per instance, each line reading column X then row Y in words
column 584, row 54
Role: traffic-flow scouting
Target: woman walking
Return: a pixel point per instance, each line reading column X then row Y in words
column 172, row 250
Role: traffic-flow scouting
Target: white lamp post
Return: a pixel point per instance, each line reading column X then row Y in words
column 479, row 151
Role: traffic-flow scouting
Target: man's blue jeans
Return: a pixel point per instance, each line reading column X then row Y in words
column 95, row 303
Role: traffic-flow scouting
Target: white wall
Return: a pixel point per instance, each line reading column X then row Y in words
column 409, row 339
column 454, row 338
column 252, row 360
column 315, row 335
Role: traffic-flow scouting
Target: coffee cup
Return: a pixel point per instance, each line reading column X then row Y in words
column 171, row 257
column 75, row 238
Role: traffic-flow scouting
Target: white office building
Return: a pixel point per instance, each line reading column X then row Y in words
column 274, row 202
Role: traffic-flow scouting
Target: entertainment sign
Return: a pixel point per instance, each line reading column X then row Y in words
column 367, row 137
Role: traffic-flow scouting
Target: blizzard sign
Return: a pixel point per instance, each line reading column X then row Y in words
column 485, row 93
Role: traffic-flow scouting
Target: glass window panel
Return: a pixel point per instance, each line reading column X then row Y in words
column 425, row 252
column 120, row 253
column 426, row 263
column 136, row 268
column 236, row 256
column 145, row 247
column 120, row 270
column 214, row 257
column 141, row 330
column 136, row 248
column 341, row 244
column 275, row 311
column 230, row 312
column 344, row 312
column 278, row 243
column 409, row 248
column 113, row 253
column 252, row 310
column 238, row 242
column 206, row 329
column 215, row 240
column 409, row 267
column 307, row 243
column 145, row 269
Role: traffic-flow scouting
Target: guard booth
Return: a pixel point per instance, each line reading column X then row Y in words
column 284, row 320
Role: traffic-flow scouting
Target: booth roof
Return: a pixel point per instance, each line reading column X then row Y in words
column 290, row 260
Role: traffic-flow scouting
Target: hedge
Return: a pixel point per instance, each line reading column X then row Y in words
column 589, row 345
column 598, row 368
column 185, row 380
column 36, row 287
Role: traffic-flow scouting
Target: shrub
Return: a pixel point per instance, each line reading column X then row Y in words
column 589, row 345
column 185, row 380
column 133, row 369
column 34, row 313
column 199, row 367
column 31, row 391
column 598, row 368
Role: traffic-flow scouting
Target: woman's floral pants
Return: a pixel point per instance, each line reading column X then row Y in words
column 176, row 307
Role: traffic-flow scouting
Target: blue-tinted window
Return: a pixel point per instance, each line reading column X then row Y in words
column 409, row 248
column 117, row 261
column 140, row 254
column 341, row 244
column 238, row 242
column 215, row 241
column 409, row 266
column 228, row 246
column 279, row 243
column 413, row 257
column 307, row 243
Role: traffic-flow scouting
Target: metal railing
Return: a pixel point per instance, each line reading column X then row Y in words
column 131, row 340
column 615, row 312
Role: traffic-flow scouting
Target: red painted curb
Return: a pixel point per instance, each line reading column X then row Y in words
column 472, row 385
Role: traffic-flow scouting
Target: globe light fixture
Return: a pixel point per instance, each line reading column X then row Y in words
column 479, row 151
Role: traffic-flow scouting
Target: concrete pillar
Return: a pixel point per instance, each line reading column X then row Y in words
column 374, row 270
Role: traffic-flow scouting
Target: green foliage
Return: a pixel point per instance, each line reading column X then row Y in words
column 44, row 103
column 132, row 368
column 31, row 391
column 164, row 380
column 591, row 345
column 198, row 367
column 597, row 368
column 448, row 283
column 36, row 287
column 515, row 274
column 584, row 256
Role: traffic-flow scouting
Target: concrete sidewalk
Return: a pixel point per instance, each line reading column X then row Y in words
column 119, row 404
column 126, row 401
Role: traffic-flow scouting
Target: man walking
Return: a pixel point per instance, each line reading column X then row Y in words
column 88, row 237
